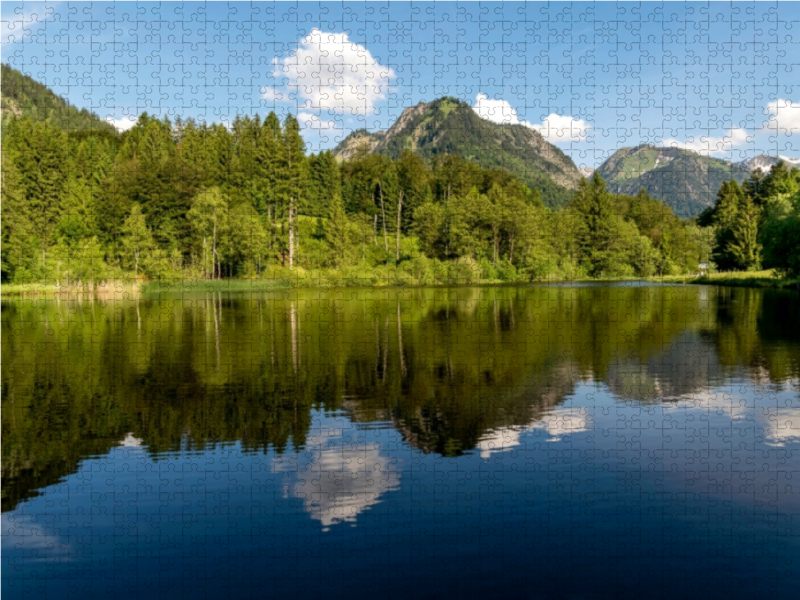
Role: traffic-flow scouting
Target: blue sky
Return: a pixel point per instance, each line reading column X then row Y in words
column 719, row 78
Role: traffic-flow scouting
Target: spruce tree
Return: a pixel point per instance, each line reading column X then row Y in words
column 598, row 231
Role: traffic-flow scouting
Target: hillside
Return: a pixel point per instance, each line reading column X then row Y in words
column 22, row 96
column 449, row 126
column 685, row 181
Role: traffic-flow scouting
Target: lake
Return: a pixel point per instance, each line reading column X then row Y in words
column 557, row 441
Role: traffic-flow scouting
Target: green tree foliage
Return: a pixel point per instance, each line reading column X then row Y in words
column 756, row 225
column 136, row 239
column 324, row 184
column 209, row 220
column 193, row 200
column 336, row 232
column 780, row 226
column 736, row 218
column 598, row 234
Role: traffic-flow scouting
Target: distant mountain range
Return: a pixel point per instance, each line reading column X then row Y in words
column 684, row 180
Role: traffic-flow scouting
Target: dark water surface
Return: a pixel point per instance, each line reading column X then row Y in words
column 541, row 442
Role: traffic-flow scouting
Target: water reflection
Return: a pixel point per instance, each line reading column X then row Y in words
column 453, row 371
column 337, row 477
column 476, row 438
column 557, row 423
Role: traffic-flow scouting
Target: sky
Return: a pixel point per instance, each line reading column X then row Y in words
column 721, row 78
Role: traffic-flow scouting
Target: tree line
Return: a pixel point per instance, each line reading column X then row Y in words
column 186, row 200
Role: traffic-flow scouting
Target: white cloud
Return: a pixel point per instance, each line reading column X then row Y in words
column 122, row 124
column 706, row 144
column 309, row 121
column 496, row 111
column 554, row 128
column 272, row 95
column 784, row 116
column 16, row 26
column 329, row 71
column 562, row 128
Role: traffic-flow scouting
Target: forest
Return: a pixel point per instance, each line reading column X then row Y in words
column 167, row 201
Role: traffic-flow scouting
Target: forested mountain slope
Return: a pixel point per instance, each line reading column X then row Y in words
column 24, row 96
column 449, row 126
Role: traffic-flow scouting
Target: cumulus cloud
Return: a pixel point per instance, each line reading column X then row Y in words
column 562, row 128
column 496, row 111
column 328, row 71
column 310, row 121
column 554, row 128
column 784, row 116
column 706, row 144
column 122, row 124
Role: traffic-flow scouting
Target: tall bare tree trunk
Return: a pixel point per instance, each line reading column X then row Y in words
column 205, row 258
column 214, row 254
column 397, row 244
column 383, row 213
column 269, row 223
column 291, row 232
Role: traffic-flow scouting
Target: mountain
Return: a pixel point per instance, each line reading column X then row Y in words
column 765, row 162
column 684, row 180
column 22, row 96
column 450, row 126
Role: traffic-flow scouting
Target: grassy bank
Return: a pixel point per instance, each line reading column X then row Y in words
column 106, row 289
column 753, row 279
column 298, row 278
column 757, row 279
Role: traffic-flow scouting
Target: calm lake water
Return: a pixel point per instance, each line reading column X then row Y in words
column 532, row 442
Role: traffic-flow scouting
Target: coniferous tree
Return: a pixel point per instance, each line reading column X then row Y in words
column 18, row 252
column 598, row 231
column 744, row 246
column 726, row 216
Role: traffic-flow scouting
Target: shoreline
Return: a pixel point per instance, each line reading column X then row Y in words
column 265, row 285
